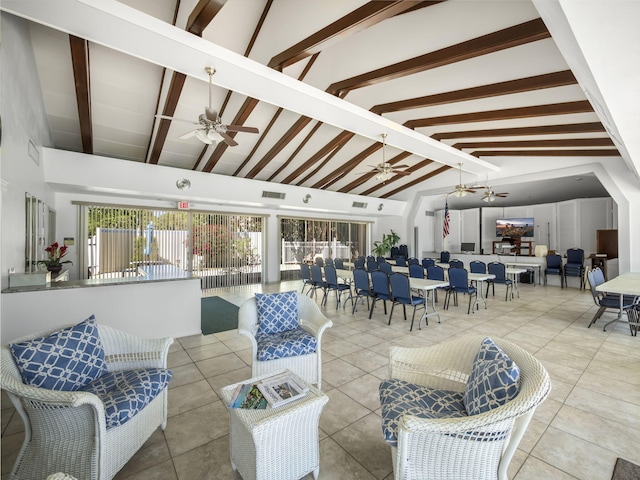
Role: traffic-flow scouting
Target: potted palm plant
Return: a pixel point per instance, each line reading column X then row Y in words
column 381, row 248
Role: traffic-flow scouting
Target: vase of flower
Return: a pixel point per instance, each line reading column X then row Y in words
column 54, row 262
column 54, row 268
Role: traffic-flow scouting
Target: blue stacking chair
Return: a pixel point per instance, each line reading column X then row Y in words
column 380, row 259
column 476, row 266
column 413, row 261
column 428, row 262
column 332, row 284
column 456, row 263
column 499, row 270
column 445, row 257
column 416, row 271
column 372, row 265
column 319, row 261
column 436, row 272
column 554, row 267
column 401, row 294
column 358, row 262
column 305, row 274
column 380, row 289
column 385, row 267
column 459, row 283
column 370, row 258
column 317, row 282
column 605, row 300
column 404, row 251
column 401, row 261
column 339, row 264
column 574, row 266
column 395, row 251
column 328, row 262
column 361, row 287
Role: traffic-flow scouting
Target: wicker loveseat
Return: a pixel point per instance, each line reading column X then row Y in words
column 452, row 443
column 77, row 432
column 292, row 314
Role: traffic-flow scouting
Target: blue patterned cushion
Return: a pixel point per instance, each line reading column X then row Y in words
column 285, row 344
column 65, row 360
column 398, row 398
column 494, row 379
column 277, row 312
column 125, row 393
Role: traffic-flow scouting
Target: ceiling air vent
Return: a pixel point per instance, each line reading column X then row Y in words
column 359, row 205
column 278, row 195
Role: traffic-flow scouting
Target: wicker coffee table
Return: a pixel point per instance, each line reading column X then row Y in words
column 276, row 443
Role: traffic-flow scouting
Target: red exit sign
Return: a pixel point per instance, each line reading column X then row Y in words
column 183, row 205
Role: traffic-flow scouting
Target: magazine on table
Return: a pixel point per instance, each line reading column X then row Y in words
column 247, row 395
column 282, row 389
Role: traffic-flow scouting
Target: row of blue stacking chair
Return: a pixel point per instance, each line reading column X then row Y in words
column 338, row 262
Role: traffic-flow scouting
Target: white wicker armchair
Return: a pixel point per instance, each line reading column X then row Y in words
column 65, row 431
column 472, row 447
column 308, row 367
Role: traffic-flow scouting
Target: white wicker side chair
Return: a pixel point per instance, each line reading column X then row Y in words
column 311, row 319
column 474, row 447
column 65, row 431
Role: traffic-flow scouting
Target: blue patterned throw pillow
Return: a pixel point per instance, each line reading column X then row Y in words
column 494, row 379
column 65, row 360
column 277, row 312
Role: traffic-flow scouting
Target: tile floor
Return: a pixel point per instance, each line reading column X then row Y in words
column 591, row 417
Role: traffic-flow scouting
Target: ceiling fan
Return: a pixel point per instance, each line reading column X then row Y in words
column 461, row 189
column 385, row 170
column 210, row 127
column 489, row 195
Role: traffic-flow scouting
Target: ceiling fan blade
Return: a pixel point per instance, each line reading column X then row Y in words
column 400, row 166
column 400, row 172
column 165, row 117
column 227, row 139
column 241, row 128
column 211, row 114
column 502, row 195
column 188, row 135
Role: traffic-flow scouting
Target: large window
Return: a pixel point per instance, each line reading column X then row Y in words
column 220, row 249
column 304, row 239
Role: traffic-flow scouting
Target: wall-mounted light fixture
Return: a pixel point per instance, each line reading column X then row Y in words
column 183, row 184
column 306, row 198
column 380, row 207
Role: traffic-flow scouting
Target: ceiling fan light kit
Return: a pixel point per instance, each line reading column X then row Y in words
column 210, row 128
column 384, row 170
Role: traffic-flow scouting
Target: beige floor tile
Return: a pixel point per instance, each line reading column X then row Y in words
column 208, row 351
column 534, row 469
column 160, row 471
column 207, row 462
column 222, row 364
column 155, row 451
column 366, row 360
column 364, row 390
column 190, row 396
column 340, row 411
column 184, row 375
column 573, row 455
column 197, row 427
column 338, row 372
column 363, row 440
column 338, row 464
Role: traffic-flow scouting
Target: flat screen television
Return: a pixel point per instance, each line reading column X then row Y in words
column 467, row 247
column 514, row 227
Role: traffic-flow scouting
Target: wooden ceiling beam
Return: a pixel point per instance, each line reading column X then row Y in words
column 322, row 164
column 569, row 142
column 609, row 152
column 566, row 108
column 359, row 19
column 416, row 181
column 336, row 142
column 528, row 84
column 202, row 14
column 293, row 155
column 81, row 76
column 198, row 20
column 367, row 176
column 524, row 33
column 513, row 132
column 347, row 166
column 293, row 131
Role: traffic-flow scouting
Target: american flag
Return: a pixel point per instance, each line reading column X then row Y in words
column 445, row 226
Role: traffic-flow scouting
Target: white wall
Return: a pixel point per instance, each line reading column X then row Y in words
column 566, row 224
column 23, row 119
column 150, row 309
